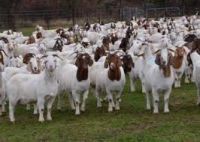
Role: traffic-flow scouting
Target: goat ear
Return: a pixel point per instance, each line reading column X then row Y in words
column 189, row 59
column 171, row 61
column 133, row 64
column 119, row 62
column 106, row 63
column 157, row 60
column 77, row 62
column 1, row 58
column 26, row 59
column 90, row 62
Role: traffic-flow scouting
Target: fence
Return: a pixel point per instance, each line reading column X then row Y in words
column 58, row 17
column 63, row 17
column 165, row 11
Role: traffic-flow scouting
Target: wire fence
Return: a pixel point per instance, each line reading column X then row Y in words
column 63, row 17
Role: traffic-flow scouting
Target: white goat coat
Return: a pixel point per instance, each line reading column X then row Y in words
column 31, row 87
column 153, row 74
column 104, row 83
column 68, row 81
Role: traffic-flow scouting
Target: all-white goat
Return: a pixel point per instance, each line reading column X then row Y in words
column 43, row 88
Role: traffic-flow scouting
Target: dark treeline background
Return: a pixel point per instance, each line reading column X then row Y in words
column 12, row 11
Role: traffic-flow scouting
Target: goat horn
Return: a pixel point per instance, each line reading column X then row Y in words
column 157, row 51
column 139, row 55
column 55, row 55
column 171, row 50
column 44, row 56
column 75, row 52
column 107, row 52
column 4, row 52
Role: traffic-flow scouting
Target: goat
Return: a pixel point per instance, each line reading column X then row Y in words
column 2, row 85
column 111, row 79
column 99, row 53
column 128, row 66
column 79, row 81
column 179, row 65
column 158, row 77
column 43, row 87
column 194, row 58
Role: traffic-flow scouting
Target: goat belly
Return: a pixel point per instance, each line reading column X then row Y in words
column 26, row 101
column 115, row 85
column 82, row 86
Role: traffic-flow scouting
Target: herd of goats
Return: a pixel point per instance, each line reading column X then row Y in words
column 36, row 69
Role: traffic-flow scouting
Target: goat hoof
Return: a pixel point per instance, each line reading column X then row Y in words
column 49, row 119
column 77, row 114
column 99, row 105
column 132, row 90
column 35, row 113
column 166, row 111
column 117, row 108
column 83, row 109
column 110, row 109
column 155, row 112
column 12, row 121
column 148, row 108
column 41, row 120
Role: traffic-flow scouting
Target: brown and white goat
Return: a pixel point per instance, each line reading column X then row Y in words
column 112, row 80
column 179, row 65
column 32, row 62
column 99, row 53
column 158, row 77
column 75, row 80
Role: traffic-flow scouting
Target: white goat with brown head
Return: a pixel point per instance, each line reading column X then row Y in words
column 158, row 75
column 112, row 80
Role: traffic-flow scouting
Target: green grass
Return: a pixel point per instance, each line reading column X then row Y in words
column 27, row 31
column 132, row 123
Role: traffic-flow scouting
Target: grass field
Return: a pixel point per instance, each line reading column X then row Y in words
column 131, row 124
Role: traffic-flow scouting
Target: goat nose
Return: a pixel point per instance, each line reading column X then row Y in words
column 164, row 62
column 112, row 65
